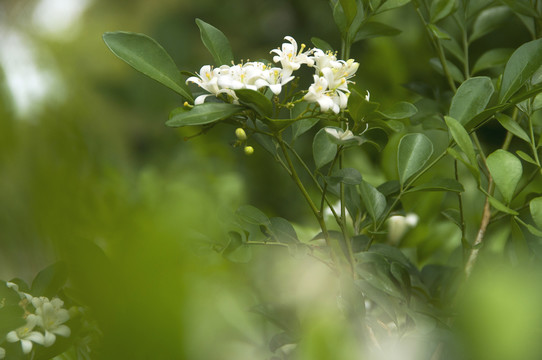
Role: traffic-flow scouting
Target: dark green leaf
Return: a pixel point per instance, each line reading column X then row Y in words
column 205, row 113
column 462, row 139
column 392, row 4
column 489, row 20
column 506, row 171
column 521, row 7
column 302, row 126
column 237, row 251
column 455, row 73
column 453, row 47
column 512, row 126
column 340, row 18
column 348, row 176
column 439, row 184
column 492, row 58
column 323, row 149
column 147, row 56
column 350, row 10
column 373, row 200
column 453, row 215
column 526, row 157
column 438, row 32
column 359, row 107
column 49, row 281
column 400, row 110
column 216, row 42
column 471, row 98
column 536, row 211
column 256, row 101
column 472, row 168
column 523, row 63
column 278, row 124
column 252, row 215
column 501, row 207
column 283, row 231
column 441, row 9
column 321, row 44
column 372, row 29
column 533, row 230
column 413, row 152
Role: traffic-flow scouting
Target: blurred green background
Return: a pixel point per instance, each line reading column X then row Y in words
column 89, row 173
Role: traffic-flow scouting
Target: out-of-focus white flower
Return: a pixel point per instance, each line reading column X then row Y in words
column 290, row 58
column 51, row 317
column 25, row 335
column 2, row 353
column 398, row 225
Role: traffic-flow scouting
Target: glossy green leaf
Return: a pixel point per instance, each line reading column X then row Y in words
column 506, row 171
column 441, row 9
column 536, row 211
column 205, row 113
column 489, row 20
column 372, row 29
column 147, row 56
column 400, row 110
column 523, row 63
column 526, row 157
column 413, row 152
column 471, row 98
column 392, row 4
column 252, row 215
column 509, row 124
column 438, row 32
column 350, row 10
column 462, row 139
column 323, row 149
column 256, row 101
column 492, row 58
column 216, row 42
column 321, row 44
column 439, row 184
column 373, row 200
column 455, row 73
column 348, row 176
column 49, row 281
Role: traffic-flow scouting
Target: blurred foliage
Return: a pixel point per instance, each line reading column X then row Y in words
column 90, row 175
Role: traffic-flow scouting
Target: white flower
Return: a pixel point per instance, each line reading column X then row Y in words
column 290, row 58
column 273, row 78
column 398, row 225
column 51, row 317
column 25, row 335
column 2, row 353
column 342, row 136
column 318, row 92
column 206, row 79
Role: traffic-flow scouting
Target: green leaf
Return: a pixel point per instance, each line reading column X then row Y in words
column 321, row 44
column 441, row 9
column 533, row 230
column 372, row 29
column 392, row 4
column 205, row 113
column 340, row 18
column 536, row 211
column 11, row 318
column 348, row 176
column 500, row 206
column 400, row 110
column 302, row 126
column 8, row 296
column 473, row 169
column 413, row 152
column 438, row 32
column 492, row 58
column 526, row 157
column 350, row 10
column 49, row 281
column 489, row 20
column 521, row 7
column 323, row 149
column 453, row 47
column 509, row 124
column 252, row 215
column 237, row 250
column 278, row 124
column 439, row 184
column 506, row 171
column 283, row 231
column 147, row 56
column 462, row 139
column 216, row 42
column 359, row 107
column 453, row 215
column 373, row 200
column 523, row 63
column 471, row 98
column 256, row 101
column 455, row 73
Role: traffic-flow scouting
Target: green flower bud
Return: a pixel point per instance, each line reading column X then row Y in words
column 241, row 134
column 249, row 150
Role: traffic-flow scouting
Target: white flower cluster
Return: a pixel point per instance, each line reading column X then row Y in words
column 329, row 90
column 45, row 320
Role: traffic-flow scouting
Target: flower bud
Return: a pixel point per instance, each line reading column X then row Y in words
column 241, row 134
column 249, row 150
